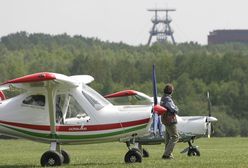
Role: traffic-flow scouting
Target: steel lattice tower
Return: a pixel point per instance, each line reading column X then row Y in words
column 161, row 26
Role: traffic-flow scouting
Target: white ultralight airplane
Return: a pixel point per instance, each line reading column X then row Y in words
column 189, row 127
column 61, row 110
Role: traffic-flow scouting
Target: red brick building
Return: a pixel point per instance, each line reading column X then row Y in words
column 227, row 36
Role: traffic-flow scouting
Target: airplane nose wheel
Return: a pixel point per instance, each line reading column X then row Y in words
column 193, row 151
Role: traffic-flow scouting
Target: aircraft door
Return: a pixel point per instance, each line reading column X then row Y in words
column 71, row 112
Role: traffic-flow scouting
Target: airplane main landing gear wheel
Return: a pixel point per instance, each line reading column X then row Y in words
column 193, row 151
column 66, row 157
column 133, row 156
column 145, row 153
column 51, row 158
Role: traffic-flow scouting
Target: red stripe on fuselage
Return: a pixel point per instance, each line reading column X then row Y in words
column 76, row 128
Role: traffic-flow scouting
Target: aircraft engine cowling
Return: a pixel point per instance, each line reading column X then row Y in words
column 2, row 95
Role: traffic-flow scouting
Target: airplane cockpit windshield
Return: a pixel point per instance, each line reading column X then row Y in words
column 94, row 98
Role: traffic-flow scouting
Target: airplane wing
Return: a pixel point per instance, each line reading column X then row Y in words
column 38, row 80
column 140, row 97
column 122, row 94
column 126, row 93
column 86, row 79
column 129, row 97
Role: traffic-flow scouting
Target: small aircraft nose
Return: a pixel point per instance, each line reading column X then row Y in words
column 211, row 119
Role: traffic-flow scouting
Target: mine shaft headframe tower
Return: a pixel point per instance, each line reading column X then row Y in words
column 161, row 26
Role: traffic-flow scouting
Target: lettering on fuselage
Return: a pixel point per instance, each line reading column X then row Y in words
column 78, row 128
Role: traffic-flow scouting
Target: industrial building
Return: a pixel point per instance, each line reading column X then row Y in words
column 228, row 36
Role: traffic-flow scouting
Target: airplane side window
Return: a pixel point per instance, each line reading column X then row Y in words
column 36, row 100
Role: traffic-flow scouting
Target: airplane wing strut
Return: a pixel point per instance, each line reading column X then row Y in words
column 51, row 106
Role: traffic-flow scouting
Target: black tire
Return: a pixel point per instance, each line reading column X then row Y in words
column 133, row 156
column 137, row 150
column 66, row 157
column 51, row 158
column 145, row 153
column 194, row 152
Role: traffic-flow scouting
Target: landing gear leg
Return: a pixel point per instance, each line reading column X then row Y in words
column 134, row 154
column 55, row 156
column 191, row 150
column 143, row 151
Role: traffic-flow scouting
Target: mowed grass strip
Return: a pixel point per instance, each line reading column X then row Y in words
column 215, row 152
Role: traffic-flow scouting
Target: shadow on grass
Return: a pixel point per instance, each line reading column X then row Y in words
column 71, row 165
column 18, row 166
column 96, row 164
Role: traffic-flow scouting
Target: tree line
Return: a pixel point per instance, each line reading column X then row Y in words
column 193, row 69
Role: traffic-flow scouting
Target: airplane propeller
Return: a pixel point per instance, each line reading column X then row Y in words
column 154, row 84
column 209, row 118
column 209, row 115
column 157, row 108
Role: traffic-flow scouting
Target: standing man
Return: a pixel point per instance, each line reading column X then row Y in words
column 169, row 120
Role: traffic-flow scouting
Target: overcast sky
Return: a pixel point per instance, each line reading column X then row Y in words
column 121, row 20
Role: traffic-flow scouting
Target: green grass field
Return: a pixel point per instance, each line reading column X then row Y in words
column 215, row 152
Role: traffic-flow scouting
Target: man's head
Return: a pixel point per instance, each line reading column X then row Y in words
column 168, row 89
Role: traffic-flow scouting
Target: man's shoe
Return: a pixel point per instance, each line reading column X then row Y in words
column 167, row 157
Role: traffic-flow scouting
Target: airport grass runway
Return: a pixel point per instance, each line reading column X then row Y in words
column 215, row 153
